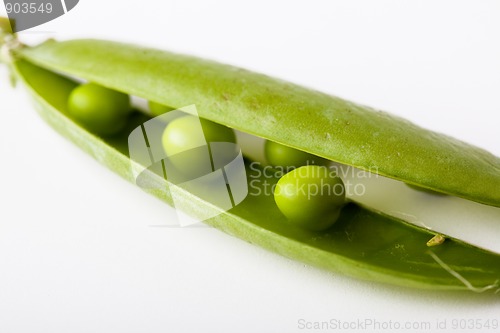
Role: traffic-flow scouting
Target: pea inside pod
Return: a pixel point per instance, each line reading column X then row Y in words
column 189, row 140
column 102, row 110
column 310, row 197
column 287, row 157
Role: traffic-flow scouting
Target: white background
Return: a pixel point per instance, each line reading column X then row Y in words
column 80, row 250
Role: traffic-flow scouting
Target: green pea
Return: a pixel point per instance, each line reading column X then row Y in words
column 283, row 156
column 157, row 109
column 101, row 110
column 185, row 142
column 310, row 197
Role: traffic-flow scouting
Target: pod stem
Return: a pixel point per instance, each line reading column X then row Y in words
column 5, row 25
column 9, row 43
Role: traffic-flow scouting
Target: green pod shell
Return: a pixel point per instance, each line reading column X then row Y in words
column 362, row 243
column 301, row 118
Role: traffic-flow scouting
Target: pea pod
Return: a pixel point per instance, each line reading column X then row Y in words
column 363, row 243
column 301, row 118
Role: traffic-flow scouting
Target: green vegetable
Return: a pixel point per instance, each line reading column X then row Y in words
column 362, row 243
column 8, row 41
column 310, row 197
column 101, row 110
column 157, row 109
column 187, row 141
column 282, row 112
column 5, row 26
column 287, row 157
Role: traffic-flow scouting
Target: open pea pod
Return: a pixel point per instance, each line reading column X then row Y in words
column 305, row 119
column 363, row 243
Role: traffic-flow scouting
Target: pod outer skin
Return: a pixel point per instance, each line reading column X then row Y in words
column 363, row 243
column 289, row 114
